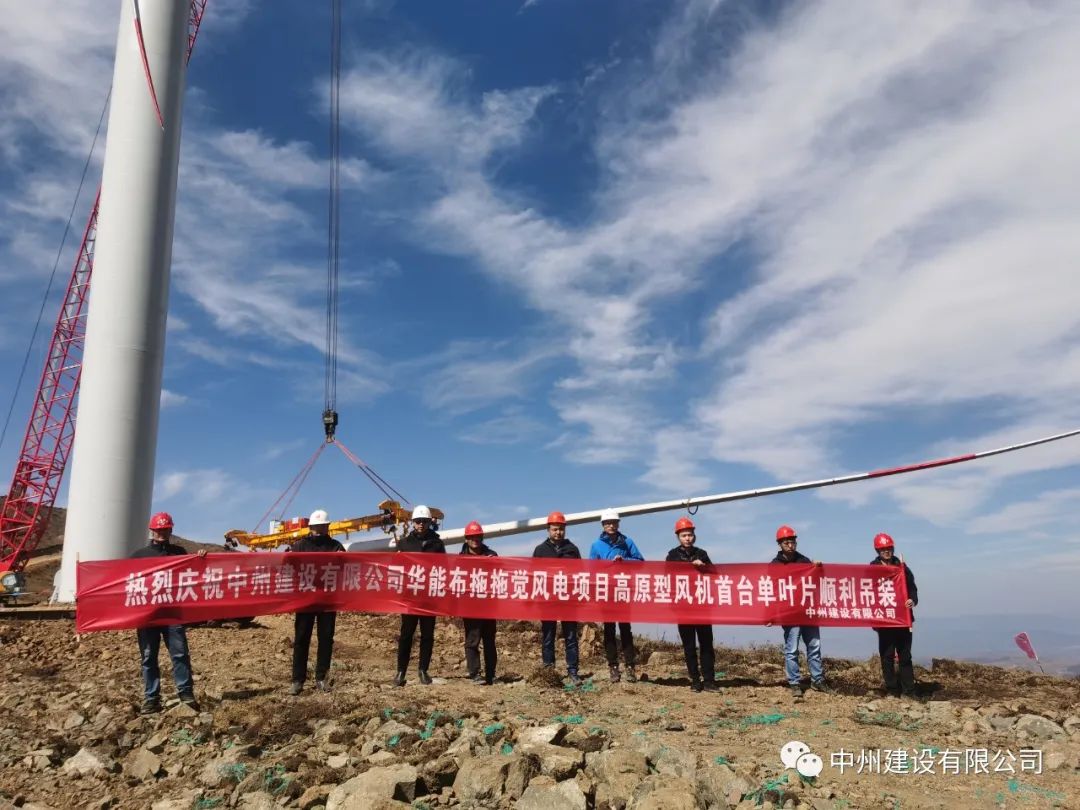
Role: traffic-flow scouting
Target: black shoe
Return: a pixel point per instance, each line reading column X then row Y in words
column 188, row 699
column 616, row 676
column 425, row 679
column 296, row 688
column 479, row 680
column 696, row 685
column 151, row 706
column 711, row 686
column 797, row 690
column 822, row 686
column 399, row 679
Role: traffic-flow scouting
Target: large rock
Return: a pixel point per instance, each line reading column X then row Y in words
column 390, row 782
column 523, row 767
column 676, row 762
column 556, row 761
column 1039, row 727
column 587, row 741
column 617, row 772
column 314, row 796
column 664, row 792
column 439, row 773
column 142, row 765
column 85, row 763
column 481, row 779
column 719, row 785
column 544, row 796
column 551, row 734
column 259, row 800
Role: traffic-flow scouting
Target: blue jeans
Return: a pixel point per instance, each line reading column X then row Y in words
column 811, row 637
column 570, row 639
column 176, row 643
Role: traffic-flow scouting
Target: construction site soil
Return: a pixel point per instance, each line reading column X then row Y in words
column 71, row 734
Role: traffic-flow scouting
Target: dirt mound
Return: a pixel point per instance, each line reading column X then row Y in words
column 70, row 734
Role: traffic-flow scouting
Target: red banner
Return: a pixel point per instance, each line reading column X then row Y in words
column 118, row 594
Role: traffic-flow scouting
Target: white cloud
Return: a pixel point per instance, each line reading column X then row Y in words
column 201, row 487
column 171, row 399
column 512, row 426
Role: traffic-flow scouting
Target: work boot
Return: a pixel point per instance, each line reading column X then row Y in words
column 574, row 678
column 631, row 674
column 425, row 679
column 323, row 685
column 188, row 699
column 479, row 680
column 399, row 679
column 711, row 686
column 822, row 686
column 296, row 688
column 616, row 676
column 797, row 690
column 695, row 685
column 151, row 706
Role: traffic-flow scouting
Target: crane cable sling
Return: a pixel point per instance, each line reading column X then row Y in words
column 380, row 482
column 294, row 488
column 334, row 224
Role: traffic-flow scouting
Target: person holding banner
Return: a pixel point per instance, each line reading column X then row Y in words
column 477, row 630
column 424, row 539
column 787, row 540
column 557, row 546
column 614, row 545
column 702, row 634
column 161, row 545
column 895, row 642
column 304, row 623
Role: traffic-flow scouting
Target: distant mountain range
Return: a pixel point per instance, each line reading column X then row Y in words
column 986, row 639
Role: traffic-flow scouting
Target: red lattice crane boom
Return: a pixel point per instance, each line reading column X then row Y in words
column 46, row 445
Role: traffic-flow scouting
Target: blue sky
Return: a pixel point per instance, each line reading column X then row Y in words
column 608, row 254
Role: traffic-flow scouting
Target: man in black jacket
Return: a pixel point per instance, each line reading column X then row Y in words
column 557, row 546
column 895, row 642
column 423, row 538
column 318, row 540
column 161, row 545
column 477, row 630
column 694, row 634
column 786, row 539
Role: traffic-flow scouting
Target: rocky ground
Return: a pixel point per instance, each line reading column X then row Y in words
column 70, row 734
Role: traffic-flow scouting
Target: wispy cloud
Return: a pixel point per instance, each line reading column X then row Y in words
column 171, row 399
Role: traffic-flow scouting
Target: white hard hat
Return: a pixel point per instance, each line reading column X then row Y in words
column 609, row 514
column 421, row 512
column 319, row 518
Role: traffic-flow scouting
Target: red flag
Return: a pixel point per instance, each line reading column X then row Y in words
column 1024, row 643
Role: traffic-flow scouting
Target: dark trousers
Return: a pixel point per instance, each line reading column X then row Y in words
column 702, row 635
column 627, row 639
column 893, row 642
column 427, row 640
column 477, row 630
column 303, row 625
column 570, row 640
column 176, row 643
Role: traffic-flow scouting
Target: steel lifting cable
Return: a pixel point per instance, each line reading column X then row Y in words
column 333, row 258
column 380, row 482
column 294, row 487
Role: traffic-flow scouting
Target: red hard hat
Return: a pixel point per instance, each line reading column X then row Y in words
column 474, row 529
column 785, row 533
column 557, row 519
column 683, row 523
column 161, row 521
column 883, row 541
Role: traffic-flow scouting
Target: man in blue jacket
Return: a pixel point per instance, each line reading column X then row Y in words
column 614, row 545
